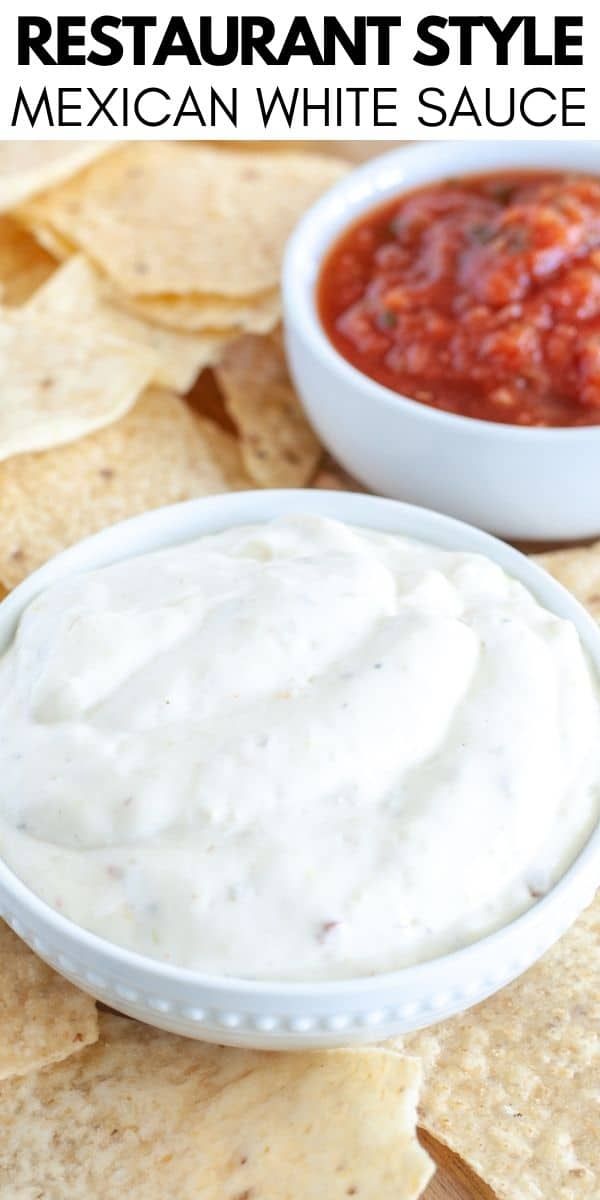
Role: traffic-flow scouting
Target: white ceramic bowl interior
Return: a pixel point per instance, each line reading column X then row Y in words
column 522, row 483
column 290, row 1015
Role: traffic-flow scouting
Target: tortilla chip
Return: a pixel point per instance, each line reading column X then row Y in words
column 355, row 152
column 279, row 447
column 512, row 1086
column 77, row 294
column 54, row 245
column 43, row 1019
column 56, row 386
column 206, row 399
column 243, row 314
column 158, row 454
column 579, row 570
column 171, row 218
column 331, row 477
column 28, row 167
column 148, row 1115
column 24, row 266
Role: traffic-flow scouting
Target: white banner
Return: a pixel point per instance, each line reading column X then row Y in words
column 266, row 71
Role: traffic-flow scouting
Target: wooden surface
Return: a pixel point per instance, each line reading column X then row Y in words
column 452, row 1180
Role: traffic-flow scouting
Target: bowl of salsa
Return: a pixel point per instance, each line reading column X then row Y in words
column 443, row 319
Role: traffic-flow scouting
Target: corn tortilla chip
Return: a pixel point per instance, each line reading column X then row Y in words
column 513, row 1086
column 158, row 454
column 194, row 313
column 24, row 266
column 331, row 477
column 48, row 240
column 279, row 447
column 197, row 312
column 356, row 152
column 579, row 570
column 166, row 217
column 43, row 1019
column 206, row 398
column 57, row 385
column 151, row 1116
column 76, row 293
column 28, row 167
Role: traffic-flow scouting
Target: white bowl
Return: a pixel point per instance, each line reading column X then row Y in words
column 522, row 483
column 290, row 1015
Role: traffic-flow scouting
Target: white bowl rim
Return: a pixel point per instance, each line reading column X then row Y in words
column 300, row 301
column 280, row 502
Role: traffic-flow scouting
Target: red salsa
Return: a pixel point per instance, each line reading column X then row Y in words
column 479, row 296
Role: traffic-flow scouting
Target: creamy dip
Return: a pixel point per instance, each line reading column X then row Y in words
column 297, row 750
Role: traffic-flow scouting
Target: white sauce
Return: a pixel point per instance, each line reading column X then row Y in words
column 295, row 751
